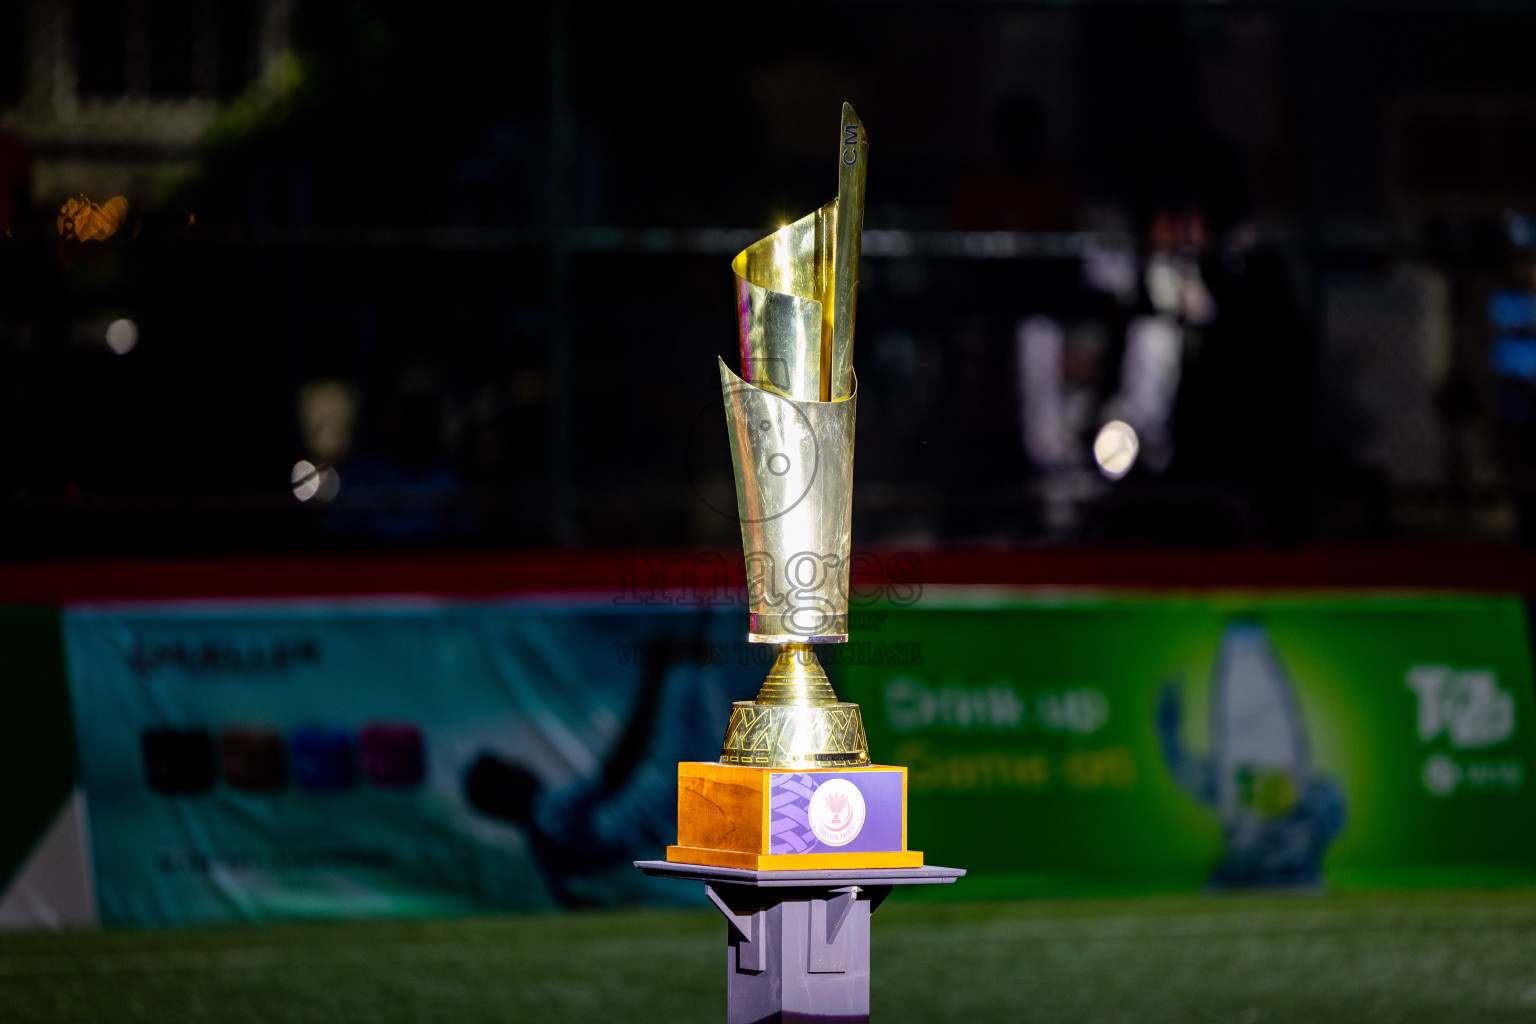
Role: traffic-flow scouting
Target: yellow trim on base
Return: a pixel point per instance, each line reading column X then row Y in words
column 714, row 769
column 793, row 861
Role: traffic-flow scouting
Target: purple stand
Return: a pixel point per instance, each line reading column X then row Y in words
column 799, row 940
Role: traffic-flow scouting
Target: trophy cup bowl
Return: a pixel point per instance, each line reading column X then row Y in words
column 790, row 417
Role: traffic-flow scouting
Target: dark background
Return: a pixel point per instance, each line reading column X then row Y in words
column 506, row 236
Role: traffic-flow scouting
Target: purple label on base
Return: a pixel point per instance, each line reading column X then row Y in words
column 833, row 812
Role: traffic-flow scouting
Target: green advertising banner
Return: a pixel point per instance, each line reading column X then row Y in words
column 1071, row 745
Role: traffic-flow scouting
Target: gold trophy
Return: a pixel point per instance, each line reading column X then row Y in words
column 795, row 834
column 790, row 417
column 794, row 788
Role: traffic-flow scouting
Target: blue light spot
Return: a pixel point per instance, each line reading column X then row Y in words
column 1514, row 357
column 1512, row 311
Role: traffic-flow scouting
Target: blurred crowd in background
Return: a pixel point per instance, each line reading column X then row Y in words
column 285, row 275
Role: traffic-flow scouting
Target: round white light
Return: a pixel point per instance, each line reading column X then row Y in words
column 305, row 479
column 321, row 483
column 122, row 335
column 1115, row 449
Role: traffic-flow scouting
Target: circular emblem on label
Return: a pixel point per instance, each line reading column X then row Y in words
column 837, row 812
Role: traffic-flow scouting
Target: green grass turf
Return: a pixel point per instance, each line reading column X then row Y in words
column 1341, row 957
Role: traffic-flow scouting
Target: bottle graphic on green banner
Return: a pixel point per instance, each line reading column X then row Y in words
column 1277, row 817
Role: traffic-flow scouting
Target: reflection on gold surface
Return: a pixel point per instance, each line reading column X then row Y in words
column 80, row 218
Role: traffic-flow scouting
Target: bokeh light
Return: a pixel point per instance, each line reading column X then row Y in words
column 89, row 222
column 330, row 484
column 1115, row 449
column 305, row 479
column 320, row 483
column 122, row 336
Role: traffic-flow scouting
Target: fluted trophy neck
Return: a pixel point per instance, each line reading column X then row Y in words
column 797, row 679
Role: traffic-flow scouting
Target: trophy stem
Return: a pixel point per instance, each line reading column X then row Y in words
column 798, row 679
column 796, row 720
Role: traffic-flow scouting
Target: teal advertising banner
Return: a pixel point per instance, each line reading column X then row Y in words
column 281, row 759
column 248, row 762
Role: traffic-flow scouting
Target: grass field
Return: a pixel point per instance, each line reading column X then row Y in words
column 1377, row 957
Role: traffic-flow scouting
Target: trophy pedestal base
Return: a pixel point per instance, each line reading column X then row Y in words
column 780, row 819
column 792, row 736
column 798, row 941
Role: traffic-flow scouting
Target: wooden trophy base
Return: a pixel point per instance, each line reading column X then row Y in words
column 785, row 819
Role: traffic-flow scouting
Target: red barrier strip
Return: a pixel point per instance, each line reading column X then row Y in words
column 629, row 572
